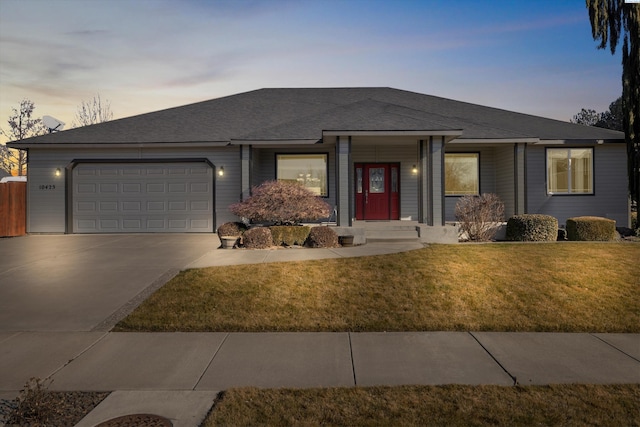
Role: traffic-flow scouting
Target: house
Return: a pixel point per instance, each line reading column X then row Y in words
column 373, row 153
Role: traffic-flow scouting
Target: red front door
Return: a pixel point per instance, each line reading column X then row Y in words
column 377, row 191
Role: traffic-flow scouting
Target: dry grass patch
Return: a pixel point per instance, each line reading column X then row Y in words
column 559, row 405
column 567, row 287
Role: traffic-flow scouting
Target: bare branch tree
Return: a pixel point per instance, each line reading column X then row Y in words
column 6, row 160
column 92, row 112
column 21, row 126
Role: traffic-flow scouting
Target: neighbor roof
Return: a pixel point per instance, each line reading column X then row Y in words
column 305, row 113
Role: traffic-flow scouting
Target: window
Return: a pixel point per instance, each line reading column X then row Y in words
column 310, row 170
column 461, row 174
column 570, row 171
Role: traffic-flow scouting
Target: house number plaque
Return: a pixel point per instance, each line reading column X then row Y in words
column 47, row 187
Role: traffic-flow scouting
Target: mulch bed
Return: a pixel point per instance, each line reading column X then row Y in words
column 55, row 409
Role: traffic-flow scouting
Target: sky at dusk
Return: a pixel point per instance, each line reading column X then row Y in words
column 535, row 57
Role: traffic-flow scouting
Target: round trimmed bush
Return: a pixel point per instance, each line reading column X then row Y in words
column 532, row 228
column 232, row 229
column 289, row 234
column 323, row 237
column 591, row 228
column 257, row 238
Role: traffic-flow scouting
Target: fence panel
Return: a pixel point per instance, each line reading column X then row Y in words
column 13, row 209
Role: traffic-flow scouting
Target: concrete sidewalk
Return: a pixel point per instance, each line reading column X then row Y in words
column 194, row 367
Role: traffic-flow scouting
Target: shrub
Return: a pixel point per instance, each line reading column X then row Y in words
column 281, row 202
column 479, row 216
column 257, row 238
column 532, row 228
column 591, row 228
column 232, row 229
column 323, row 237
column 34, row 404
column 289, row 234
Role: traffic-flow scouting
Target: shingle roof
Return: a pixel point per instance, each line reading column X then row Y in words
column 304, row 113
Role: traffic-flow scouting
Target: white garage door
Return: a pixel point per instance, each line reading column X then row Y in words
column 142, row 197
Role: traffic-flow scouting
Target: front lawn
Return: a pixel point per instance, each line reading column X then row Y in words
column 565, row 287
column 558, row 405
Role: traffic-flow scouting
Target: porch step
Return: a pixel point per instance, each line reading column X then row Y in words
column 389, row 231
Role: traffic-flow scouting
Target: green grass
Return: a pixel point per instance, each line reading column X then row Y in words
column 558, row 405
column 566, row 287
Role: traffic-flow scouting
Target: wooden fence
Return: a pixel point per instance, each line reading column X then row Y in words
column 13, row 209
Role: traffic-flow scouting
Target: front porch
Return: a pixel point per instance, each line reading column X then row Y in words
column 398, row 231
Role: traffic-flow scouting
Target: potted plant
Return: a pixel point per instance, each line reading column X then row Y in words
column 230, row 234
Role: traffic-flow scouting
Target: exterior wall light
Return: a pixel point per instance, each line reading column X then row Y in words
column 58, row 171
column 414, row 170
column 221, row 171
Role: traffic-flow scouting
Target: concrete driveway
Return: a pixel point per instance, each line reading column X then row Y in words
column 80, row 282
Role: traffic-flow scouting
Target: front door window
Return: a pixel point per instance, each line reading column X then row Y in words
column 376, row 180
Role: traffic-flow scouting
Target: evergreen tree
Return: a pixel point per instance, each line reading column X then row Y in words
column 612, row 20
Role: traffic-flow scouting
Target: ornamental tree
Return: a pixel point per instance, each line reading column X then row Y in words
column 281, row 202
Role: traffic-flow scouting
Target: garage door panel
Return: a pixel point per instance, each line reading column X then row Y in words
column 131, row 207
column 108, row 187
column 87, row 207
column 178, row 187
column 87, row 188
column 108, row 171
column 142, row 198
column 200, row 205
column 178, row 206
column 199, row 225
column 156, row 206
column 156, row 187
column 109, row 224
column 108, row 206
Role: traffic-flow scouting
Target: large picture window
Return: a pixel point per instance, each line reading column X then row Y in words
column 569, row 170
column 309, row 170
column 461, row 174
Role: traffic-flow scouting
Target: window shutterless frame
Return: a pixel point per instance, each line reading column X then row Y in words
column 309, row 169
column 569, row 171
column 458, row 175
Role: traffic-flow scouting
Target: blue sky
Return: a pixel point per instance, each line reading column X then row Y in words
column 535, row 57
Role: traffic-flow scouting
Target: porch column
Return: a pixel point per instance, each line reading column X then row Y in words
column 436, row 169
column 343, row 181
column 519, row 178
column 424, row 189
column 245, row 171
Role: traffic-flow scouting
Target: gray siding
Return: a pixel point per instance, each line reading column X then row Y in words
column 610, row 187
column 46, row 192
column 47, row 206
column 505, row 182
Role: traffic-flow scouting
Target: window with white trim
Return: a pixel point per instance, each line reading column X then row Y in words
column 309, row 170
column 569, row 171
column 461, row 174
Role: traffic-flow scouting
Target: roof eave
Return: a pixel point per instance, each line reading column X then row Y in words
column 582, row 141
column 264, row 142
column 495, row 141
column 449, row 132
column 190, row 144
